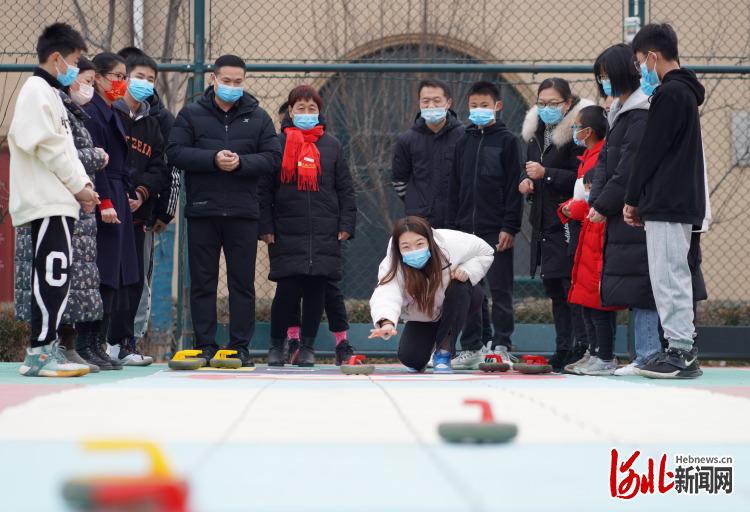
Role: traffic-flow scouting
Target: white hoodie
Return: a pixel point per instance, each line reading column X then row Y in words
column 45, row 171
column 462, row 251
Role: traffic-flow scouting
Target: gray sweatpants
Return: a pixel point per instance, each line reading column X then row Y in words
column 668, row 244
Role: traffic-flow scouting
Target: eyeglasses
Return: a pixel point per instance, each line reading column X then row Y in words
column 118, row 76
column 542, row 104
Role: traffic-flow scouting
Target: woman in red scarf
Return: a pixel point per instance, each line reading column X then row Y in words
column 307, row 210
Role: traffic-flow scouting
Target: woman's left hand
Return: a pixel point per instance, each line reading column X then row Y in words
column 460, row 275
column 344, row 236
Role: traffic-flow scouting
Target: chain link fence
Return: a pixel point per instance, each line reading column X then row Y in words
column 366, row 110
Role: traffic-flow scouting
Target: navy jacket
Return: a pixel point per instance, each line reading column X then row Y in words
column 484, row 197
column 115, row 243
column 200, row 131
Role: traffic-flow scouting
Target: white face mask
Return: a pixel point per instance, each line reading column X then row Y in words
column 83, row 95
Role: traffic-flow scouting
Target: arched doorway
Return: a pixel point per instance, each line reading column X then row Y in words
column 367, row 111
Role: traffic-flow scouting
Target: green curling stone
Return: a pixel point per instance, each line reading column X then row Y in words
column 187, row 360
column 532, row 369
column 477, row 433
column 357, row 369
column 222, row 360
column 494, row 367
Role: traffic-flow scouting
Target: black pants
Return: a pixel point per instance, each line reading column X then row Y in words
column 568, row 318
column 600, row 330
column 52, row 260
column 334, row 307
column 419, row 339
column 312, row 291
column 113, row 300
column 239, row 239
column 123, row 320
column 500, row 280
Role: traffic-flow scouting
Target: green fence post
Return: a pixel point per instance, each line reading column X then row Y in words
column 199, row 55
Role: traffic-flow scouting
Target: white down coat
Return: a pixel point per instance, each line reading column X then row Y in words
column 462, row 251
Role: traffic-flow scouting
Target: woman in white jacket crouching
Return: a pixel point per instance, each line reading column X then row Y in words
column 430, row 278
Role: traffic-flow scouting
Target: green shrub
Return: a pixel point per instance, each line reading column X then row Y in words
column 14, row 335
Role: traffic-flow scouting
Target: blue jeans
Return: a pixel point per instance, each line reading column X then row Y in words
column 647, row 342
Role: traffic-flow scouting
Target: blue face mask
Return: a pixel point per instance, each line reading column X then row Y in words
column 434, row 115
column 305, row 121
column 550, row 115
column 481, row 116
column 140, row 89
column 607, row 86
column 649, row 79
column 228, row 93
column 417, row 259
column 578, row 142
column 70, row 75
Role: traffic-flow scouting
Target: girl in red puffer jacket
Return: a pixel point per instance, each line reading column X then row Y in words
column 589, row 130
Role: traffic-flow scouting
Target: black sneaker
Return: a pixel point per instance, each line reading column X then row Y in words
column 672, row 364
column 306, row 353
column 243, row 354
column 559, row 360
column 98, row 347
column 344, row 351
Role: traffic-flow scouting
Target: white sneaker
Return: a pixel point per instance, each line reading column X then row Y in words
column 506, row 356
column 574, row 367
column 597, row 366
column 127, row 357
column 468, row 359
column 627, row 370
column 431, row 363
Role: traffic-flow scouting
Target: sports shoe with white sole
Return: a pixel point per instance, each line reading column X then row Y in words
column 468, row 359
column 597, row 366
column 672, row 364
column 126, row 357
column 442, row 360
column 572, row 368
column 50, row 361
column 507, row 357
column 627, row 370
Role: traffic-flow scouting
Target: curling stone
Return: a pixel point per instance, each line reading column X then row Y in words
column 356, row 366
column 533, row 365
column 486, row 431
column 493, row 363
column 222, row 360
column 187, row 360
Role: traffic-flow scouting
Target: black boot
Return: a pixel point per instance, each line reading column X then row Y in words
column 278, row 352
column 559, row 360
column 243, row 354
column 344, row 351
column 306, row 352
column 85, row 346
column 97, row 345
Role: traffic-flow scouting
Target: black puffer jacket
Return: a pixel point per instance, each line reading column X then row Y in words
column 484, row 197
column 625, row 278
column 306, row 224
column 421, row 170
column 560, row 161
column 200, row 131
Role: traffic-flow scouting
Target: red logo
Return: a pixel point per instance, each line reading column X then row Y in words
column 625, row 483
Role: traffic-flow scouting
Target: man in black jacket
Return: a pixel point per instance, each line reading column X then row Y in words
column 225, row 143
column 666, row 192
column 484, row 200
column 148, row 177
column 422, row 155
